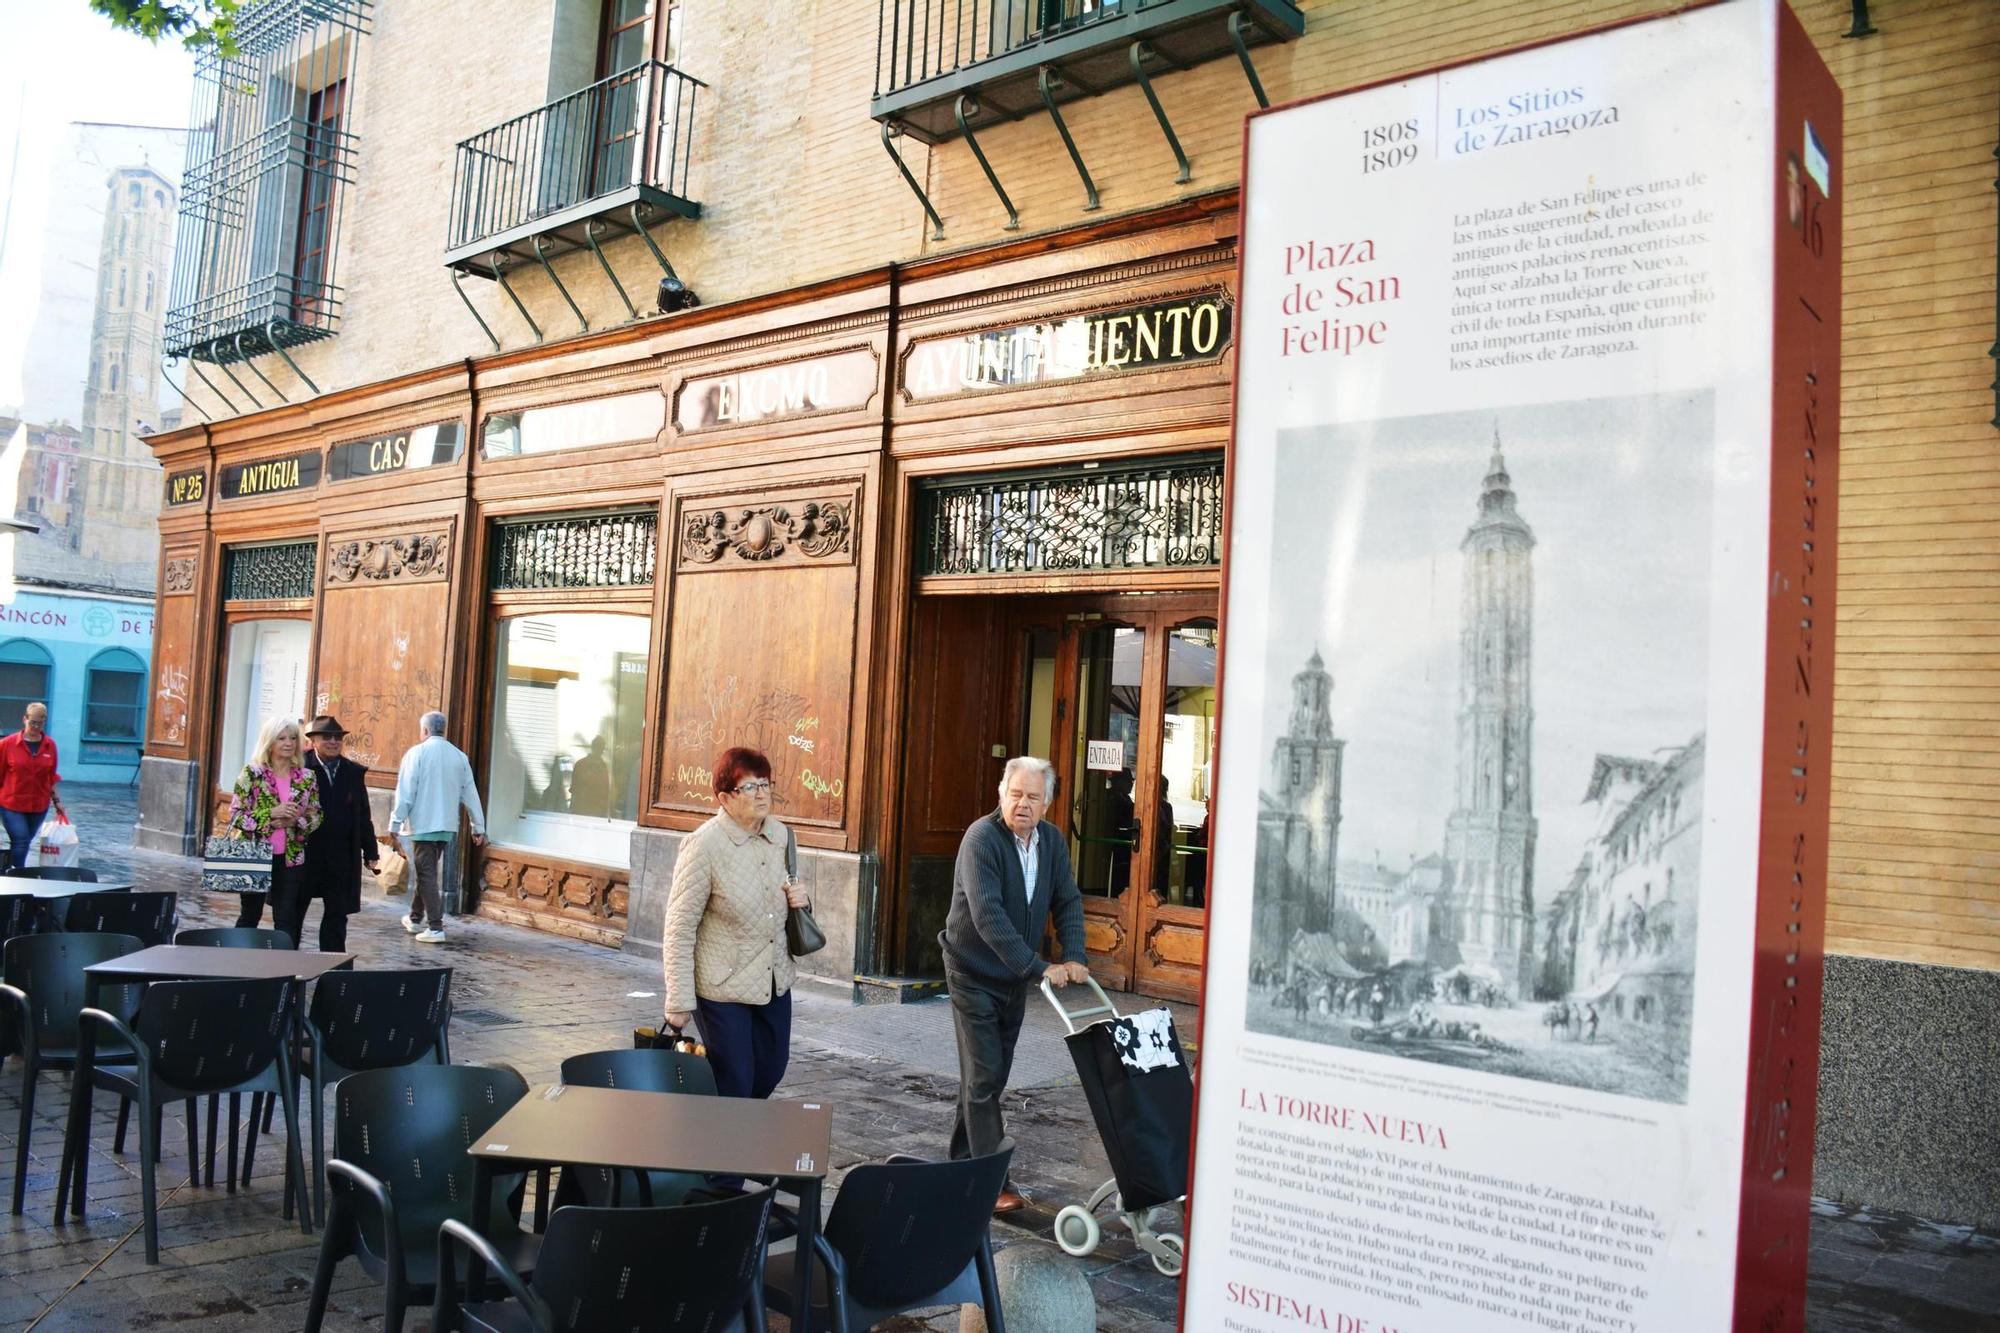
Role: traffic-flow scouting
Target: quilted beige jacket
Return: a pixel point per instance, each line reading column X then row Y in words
column 725, row 927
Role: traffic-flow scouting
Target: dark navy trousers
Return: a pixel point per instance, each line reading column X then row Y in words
column 749, row 1045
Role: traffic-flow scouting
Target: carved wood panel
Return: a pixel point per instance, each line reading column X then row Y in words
column 410, row 557
column 169, row 719
column 763, row 659
column 735, row 532
column 381, row 664
column 532, row 888
column 177, row 573
column 1171, row 962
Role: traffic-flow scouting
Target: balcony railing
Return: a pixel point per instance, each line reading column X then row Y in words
column 618, row 152
column 930, row 51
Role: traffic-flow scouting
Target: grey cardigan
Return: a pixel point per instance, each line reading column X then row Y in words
column 992, row 934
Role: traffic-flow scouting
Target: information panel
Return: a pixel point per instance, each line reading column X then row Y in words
column 1512, row 1022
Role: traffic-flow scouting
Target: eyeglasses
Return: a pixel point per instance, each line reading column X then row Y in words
column 753, row 787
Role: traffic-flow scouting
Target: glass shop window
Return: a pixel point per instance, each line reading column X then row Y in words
column 114, row 696
column 264, row 675
column 569, row 706
column 24, row 679
column 626, row 419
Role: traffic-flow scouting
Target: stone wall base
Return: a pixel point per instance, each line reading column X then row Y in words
column 170, row 807
column 1909, row 1090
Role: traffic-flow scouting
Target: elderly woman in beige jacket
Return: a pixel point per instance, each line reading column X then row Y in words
column 725, row 956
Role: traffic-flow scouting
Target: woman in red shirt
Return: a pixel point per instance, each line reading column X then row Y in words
column 28, row 779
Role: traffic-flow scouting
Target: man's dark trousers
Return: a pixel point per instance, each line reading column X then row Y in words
column 987, row 1021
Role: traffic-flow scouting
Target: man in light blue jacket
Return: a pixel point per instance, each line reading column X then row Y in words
column 433, row 781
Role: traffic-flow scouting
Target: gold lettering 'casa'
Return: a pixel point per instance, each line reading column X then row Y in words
column 1106, row 341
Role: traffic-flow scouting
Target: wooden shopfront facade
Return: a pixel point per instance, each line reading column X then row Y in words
column 889, row 529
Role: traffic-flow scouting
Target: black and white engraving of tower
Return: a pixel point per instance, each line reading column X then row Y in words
column 1488, row 913
column 1302, row 809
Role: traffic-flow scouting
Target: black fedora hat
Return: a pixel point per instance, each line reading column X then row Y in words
column 326, row 725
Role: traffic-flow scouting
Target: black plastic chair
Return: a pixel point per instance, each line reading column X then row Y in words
column 400, row 1169
column 150, row 915
column 903, row 1234
column 24, row 914
column 70, row 874
column 650, row 1270
column 633, row 1071
column 195, row 1037
column 40, row 997
column 225, row 937
column 369, row 1020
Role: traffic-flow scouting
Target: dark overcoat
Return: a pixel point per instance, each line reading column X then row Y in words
column 335, row 849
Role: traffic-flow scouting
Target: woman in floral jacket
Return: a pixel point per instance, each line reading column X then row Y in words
column 277, row 801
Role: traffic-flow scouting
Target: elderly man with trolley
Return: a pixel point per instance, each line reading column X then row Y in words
column 1013, row 876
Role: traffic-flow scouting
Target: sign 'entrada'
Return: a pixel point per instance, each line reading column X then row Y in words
column 270, row 476
column 1104, row 341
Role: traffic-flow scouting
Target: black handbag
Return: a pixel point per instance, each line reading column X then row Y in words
column 802, row 933
column 666, row 1037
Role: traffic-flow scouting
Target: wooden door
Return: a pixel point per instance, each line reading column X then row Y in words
column 1131, row 732
column 1047, row 676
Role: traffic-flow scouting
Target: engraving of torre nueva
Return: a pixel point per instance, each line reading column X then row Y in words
column 1487, row 911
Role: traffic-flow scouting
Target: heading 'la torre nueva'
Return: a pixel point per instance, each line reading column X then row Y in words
column 1318, row 307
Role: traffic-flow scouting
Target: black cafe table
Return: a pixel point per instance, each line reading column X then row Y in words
column 168, row 962
column 666, row 1131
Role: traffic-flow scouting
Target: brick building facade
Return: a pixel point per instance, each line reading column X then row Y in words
column 921, row 482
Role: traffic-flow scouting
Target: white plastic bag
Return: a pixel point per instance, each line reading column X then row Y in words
column 56, row 845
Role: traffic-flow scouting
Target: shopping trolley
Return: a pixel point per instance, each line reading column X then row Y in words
column 1135, row 1077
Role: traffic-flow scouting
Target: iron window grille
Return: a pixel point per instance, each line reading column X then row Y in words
column 278, row 572
column 1141, row 516
column 600, row 550
column 268, row 158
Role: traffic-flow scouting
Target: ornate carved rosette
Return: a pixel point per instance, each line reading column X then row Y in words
column 814, row 529
column 177, row 575
column 418, row 557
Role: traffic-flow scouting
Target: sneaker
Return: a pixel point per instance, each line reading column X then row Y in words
column 412, row 925
column 435, row 935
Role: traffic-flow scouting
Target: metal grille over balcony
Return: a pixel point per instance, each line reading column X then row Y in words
column 601, row 550
column 1125, row 517
column 269, row 159
column 929, row 52
column 614, row 155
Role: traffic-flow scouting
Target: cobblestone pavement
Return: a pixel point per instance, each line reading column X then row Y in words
column 230, row 1261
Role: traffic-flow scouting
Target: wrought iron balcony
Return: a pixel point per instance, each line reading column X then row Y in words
column 1015, row 57
column 269, row 160
column 612, row 157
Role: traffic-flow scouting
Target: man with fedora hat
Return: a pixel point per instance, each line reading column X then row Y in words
column 344, row 839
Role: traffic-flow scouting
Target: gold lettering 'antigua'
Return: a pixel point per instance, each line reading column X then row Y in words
column 1135, row 338
column 270, row 476
column 258, row 478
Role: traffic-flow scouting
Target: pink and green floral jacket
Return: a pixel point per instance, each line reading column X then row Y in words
column 255, row 800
